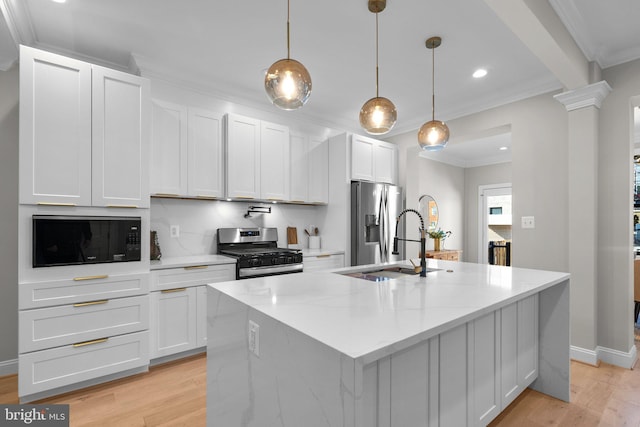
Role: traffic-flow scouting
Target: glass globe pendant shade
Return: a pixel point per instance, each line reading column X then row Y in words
column 288, row 84
column 378, row 116
column 433, row 135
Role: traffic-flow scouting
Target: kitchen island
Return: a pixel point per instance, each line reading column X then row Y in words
column 329, row 349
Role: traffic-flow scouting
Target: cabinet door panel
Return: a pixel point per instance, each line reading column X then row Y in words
column 205, row 169
column 300, row 174
column 362, row 155
column 318, row 171
column 385, row 160
column 453, row 377
column 243, row 157
column 169, row 149
column 509, row 353
column 201, row 321
column 120, row 138
column 173, row 321
column 55, row 129
column 274, row 162
column 528, row 340
column 484, row 369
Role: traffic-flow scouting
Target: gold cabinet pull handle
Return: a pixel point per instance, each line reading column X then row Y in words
column 244, row 197
column 56, row 204
column 323, row 256
column 85, row 343
column 204, row 196
column 170, row 291
column 85, row 304
column 196, row 267
column 101, row 276
column 165, row 195
column 123, row 206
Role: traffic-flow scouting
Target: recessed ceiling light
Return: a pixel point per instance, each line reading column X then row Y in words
column 479, row 73
column 503, row 148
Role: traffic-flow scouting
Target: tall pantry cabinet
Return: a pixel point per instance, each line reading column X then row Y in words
column 84, row 143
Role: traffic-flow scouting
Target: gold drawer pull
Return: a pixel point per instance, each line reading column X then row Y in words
column 196, row 267
column 101, row 276
column 98, row 341
column 85, row 304
column 297, row 201
column 56, row 204
column 165, row 195
column 204, row 196
column 170, row 291
column 244, row 197
column 323, row 256
column 123, row 206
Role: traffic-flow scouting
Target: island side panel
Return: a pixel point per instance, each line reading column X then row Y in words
column 292, row 379
column 554, row 377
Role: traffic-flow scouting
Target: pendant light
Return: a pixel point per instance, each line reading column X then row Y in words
column 287, row 82
column 434, row 134
column 378, row 115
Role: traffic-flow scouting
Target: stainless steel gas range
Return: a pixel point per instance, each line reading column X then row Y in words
column 257, row 253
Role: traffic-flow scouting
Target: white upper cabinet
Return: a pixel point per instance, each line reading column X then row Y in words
column 186, row 152
column 257, row 159
column 169, row 149
column 205, row 154
column 243, row 157
column 84, row 133
column 55, row 129
column 299, row 153
column 373, row 160
column 274, row 162
column 318, row 170
column 120, row 139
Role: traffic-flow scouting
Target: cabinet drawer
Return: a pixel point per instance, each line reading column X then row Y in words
column 62, row 366
column 56, row 326
column 81, row 289
column 323, row 262
column 196, row 275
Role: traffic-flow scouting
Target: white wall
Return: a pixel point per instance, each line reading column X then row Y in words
column 615, row 212
column 9, row 216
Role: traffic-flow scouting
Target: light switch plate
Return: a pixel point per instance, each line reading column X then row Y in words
column 175, row 230
column 254, row 338
column 528, row 222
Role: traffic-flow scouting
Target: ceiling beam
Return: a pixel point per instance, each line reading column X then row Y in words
column 537, row 25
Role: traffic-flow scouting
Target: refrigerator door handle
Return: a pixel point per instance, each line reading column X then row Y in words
column 384, row 218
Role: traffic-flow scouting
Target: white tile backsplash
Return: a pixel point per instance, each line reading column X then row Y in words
column 199, row 220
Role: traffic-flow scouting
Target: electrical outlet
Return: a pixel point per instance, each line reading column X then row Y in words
column 528, row 222
column 254, row 338
column 175, row 230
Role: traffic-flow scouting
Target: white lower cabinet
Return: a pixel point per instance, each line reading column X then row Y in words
column 322, row 262
column 463, row 377
column 63, row 366
column 179, row 307
column 173, row 314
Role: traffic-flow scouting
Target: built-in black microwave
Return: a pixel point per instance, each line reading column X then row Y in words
column 71, row 240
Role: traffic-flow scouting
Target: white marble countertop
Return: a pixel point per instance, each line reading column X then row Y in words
column 322, row 251
column 368, row 320
column 187, row 261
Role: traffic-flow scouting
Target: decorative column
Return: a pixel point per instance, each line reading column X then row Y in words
column 583, row 106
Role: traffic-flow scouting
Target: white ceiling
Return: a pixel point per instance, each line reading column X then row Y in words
column 224, row 47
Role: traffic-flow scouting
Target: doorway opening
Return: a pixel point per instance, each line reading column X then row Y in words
column 495, row 224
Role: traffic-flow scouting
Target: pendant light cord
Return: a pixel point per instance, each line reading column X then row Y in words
column 377, row 72
column 433, row 83
column 288, row 31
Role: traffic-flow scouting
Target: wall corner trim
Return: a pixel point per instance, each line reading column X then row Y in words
column 587, row 96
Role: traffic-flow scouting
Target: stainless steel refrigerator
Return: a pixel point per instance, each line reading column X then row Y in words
column 374, row 209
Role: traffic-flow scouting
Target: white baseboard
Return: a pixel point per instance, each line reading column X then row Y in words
column 608, row 355
column 8, row 367
column 590, row 357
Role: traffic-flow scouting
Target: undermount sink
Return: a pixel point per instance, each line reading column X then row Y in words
column 381, row 274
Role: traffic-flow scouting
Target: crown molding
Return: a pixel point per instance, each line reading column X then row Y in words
column 586, row 96
column 18, row 19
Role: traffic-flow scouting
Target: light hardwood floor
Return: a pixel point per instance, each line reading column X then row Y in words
column 174, row 394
